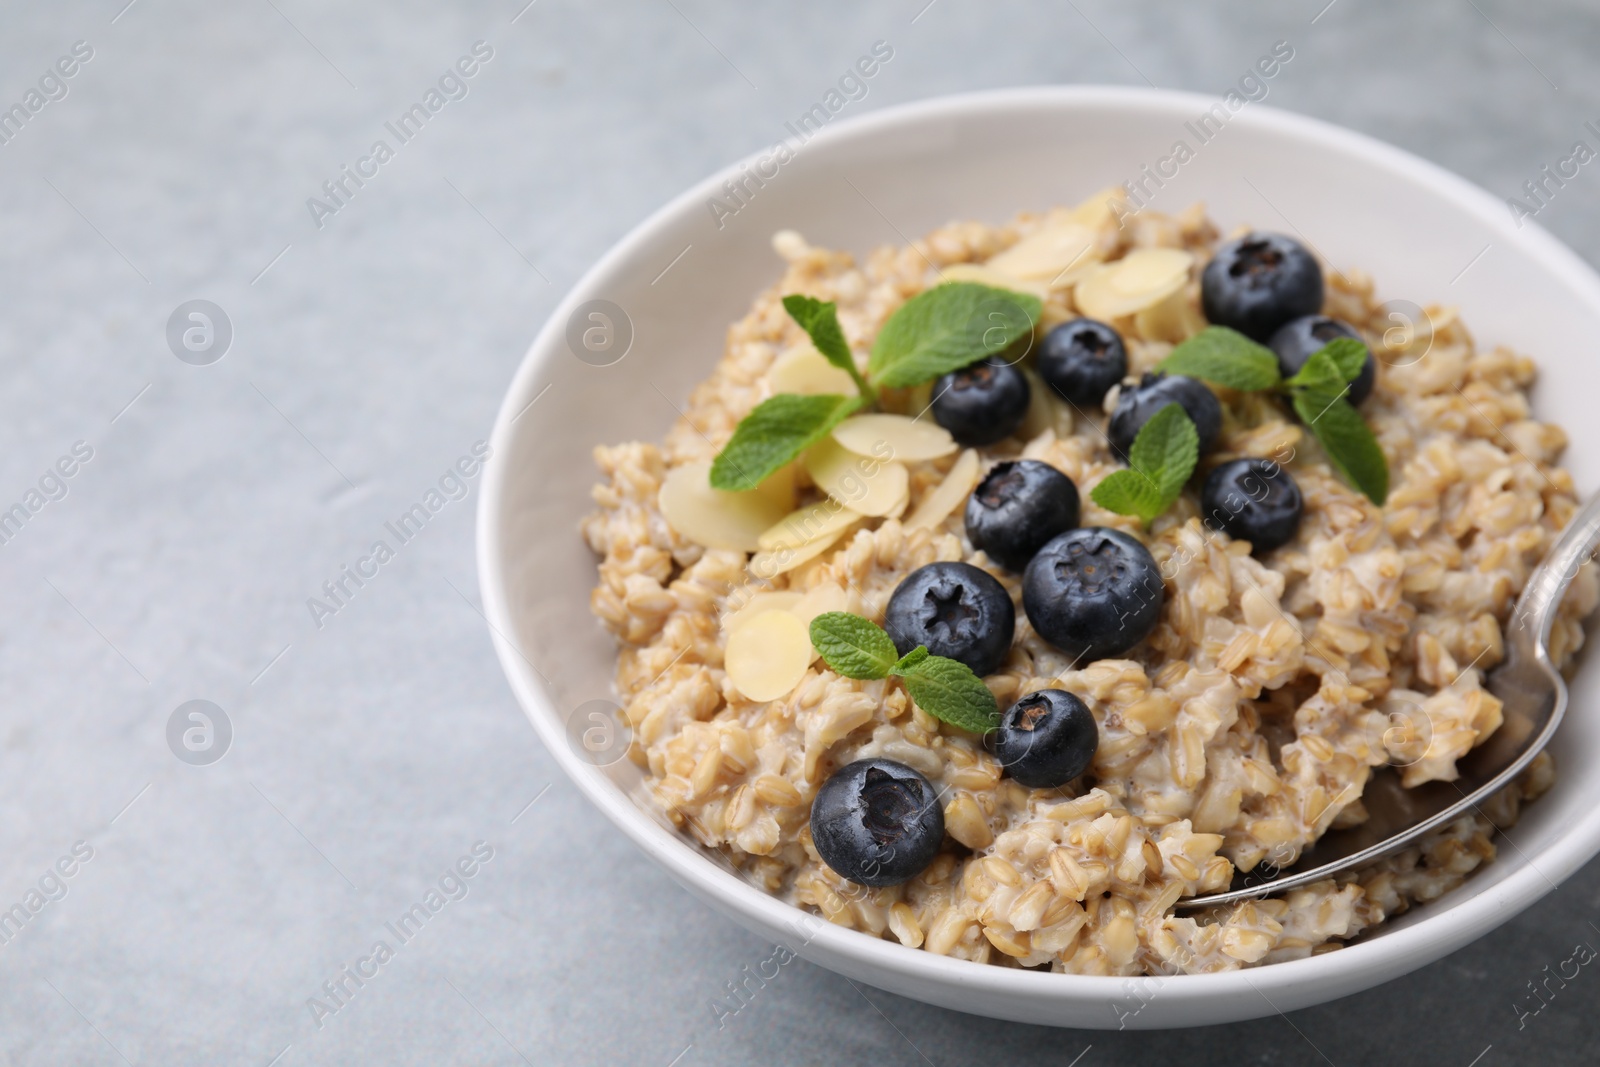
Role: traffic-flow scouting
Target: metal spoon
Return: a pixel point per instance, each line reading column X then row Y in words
column 1534, row 696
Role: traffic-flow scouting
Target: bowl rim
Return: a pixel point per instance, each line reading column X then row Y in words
column 1398, row 951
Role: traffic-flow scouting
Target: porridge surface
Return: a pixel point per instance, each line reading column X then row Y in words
column 1240, row 730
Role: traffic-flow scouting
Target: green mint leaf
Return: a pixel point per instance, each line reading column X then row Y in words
column 1226, row 357
column 910, row 660
column 1321, row 372
column 946, row 328
column 778, row 430
column 853, row 646
column 1166, row 450
column 1160, row 462
column 1348, row 354
column 820, row 321
column 1128, row 493
column 1319, row 394
column 949, row 691
column 1346, row 438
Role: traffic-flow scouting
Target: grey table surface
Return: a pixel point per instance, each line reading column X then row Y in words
column 367, row 355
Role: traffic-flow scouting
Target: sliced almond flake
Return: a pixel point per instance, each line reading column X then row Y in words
column 984, row 274
column 718, row 519
column 1093, row 296
column 1172, row 319
column 1143, row 277
column 779, row 487
column 829, row 596
column 770, row 563
column 1053, row 255
column 775, row 600
column 804, row 370
column 824, row 519
column 871, row 486
column 948, row 495
column 1046, row 410
column 906, row 439
column 1098, row 211
column 900, row 508
column 1146, row 269
column 766, row 657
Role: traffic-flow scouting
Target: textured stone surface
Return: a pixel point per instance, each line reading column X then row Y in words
column 377, row 749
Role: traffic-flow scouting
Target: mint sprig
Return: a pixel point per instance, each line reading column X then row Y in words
column 853, row 646
column 949, row 691
column 1346, row 437
column 820, row 321
column 944, row 688
column 1225, row 357
column 946, row 328
column 1160, row 462
column 1346, row 354
column 1333, row 366
column 910, row 660
column 935, row 332
column 779, row 429
column 1317, row 392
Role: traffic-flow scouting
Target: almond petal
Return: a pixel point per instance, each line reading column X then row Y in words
column 1173, row 319
column 1050, row 253
column 1046, row 411
column 1093, row 294
column 766, row 657
column 900, row 508
column 806, row 371
column 870, row 486
column 829, row 596
column 778, row 488
column 824, row 519
column 895, row 437
column 1143, row 277
column 715, row 518
column 949, row 495
column 1149, row 270
column 1101, row 209
column 770, row 563
column 824, row 598
column 775, row 600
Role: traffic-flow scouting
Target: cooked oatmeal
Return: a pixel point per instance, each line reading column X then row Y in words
column 1238, row 732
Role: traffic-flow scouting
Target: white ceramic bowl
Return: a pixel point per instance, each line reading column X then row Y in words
column 1425, row 235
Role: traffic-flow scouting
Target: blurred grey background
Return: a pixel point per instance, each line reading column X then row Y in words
column 370, row 753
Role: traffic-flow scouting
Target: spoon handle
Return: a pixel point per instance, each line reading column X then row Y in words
column 1528, row 634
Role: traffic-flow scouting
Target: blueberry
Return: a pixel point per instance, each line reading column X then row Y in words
column 1258, row 282
column 1252, row 500
column 1081, row 360
column 1139, row 403
column 955, row 610
column 877, row 822
column 1298, row 339
column 1046, row 739
column 1019, row 505
column 981, row 404
column 1093, row 593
